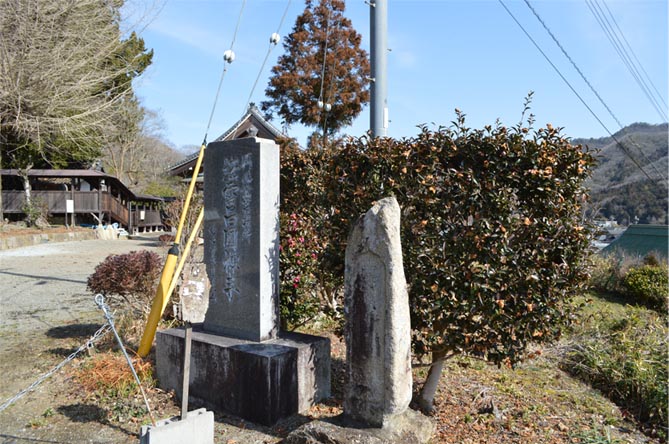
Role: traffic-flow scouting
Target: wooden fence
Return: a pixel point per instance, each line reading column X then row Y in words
column 56, row 202
column 85, row 202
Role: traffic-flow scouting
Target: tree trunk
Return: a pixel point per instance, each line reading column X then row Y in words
column 2, row 213
column 429, row 389
column 26, row 183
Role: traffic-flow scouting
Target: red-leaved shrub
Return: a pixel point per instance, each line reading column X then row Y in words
column 128, row 281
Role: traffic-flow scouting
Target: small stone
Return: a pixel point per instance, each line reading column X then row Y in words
column 409, row 427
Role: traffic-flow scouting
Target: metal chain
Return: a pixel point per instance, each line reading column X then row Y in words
column 88, row 344
column 100, row 301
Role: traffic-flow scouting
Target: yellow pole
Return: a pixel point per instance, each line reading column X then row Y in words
column 191, row 187
column 162, row 297
column 159, row 303
column 184, row 256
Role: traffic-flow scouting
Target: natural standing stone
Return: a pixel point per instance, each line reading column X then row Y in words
column 241, row 238
column 378, row 325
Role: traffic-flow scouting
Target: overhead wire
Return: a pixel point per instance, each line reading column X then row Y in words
column 325, row 52
column 606, row 26
column 170, row 275
column 272, row 45
column 225, row 70
column 564, row 79
column 587, row 82
column 615, row 22
column 331, row 89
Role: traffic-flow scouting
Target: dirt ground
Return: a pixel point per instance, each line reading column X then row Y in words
column 46, row 313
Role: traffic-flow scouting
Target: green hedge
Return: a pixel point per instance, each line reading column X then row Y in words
column 493, row 242
column 649, row 285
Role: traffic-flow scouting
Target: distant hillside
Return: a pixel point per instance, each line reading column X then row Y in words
column 619, row 189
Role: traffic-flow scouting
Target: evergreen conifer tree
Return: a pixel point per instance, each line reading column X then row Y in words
column 323, row 64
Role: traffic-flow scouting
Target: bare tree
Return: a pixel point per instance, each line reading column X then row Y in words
column 122, row 148
column 65, row 76
column 137, row 153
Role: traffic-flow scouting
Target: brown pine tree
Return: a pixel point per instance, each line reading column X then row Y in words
column 323, row 63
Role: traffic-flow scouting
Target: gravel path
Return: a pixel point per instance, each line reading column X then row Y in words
column 44, row 286
column 45, row 313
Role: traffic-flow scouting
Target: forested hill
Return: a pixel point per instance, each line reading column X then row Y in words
column 619, row 189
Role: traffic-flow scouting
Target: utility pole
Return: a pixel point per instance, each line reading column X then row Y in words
column 378, row 23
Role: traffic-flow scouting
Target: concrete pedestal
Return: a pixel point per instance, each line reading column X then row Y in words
column 197, row 428
column 261, row 382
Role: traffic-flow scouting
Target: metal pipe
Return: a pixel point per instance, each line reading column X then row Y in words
column 378, row 22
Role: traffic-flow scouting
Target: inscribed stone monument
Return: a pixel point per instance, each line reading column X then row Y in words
column 240, row 362
column 241, row 233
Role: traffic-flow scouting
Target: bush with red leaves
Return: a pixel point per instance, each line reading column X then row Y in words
column 128, row 281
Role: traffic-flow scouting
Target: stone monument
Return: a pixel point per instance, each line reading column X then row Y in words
column 378, row 342
column 378, row 324
column 240, row 361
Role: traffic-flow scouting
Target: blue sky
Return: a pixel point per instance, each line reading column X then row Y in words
column 445, row 54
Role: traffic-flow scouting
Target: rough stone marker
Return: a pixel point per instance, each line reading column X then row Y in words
column 378, row 341
column 241, row 363
column 378, row 324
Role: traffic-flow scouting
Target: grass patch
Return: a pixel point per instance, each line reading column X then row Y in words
column 595, row 437
column 622, row 351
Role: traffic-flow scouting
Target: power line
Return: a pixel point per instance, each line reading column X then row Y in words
column 228, row 57
column 273, row 41
column 573, row 90
column 325, row 53
column 328, row 105
column 587, row 82
column 615, row 22
column 606, row 26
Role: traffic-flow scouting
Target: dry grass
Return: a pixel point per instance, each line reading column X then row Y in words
column 109, row 372
column 476, row 403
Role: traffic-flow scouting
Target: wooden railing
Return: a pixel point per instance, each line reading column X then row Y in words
column 115, row 208
column 152, row 218
column 84, row 202
column 12, row 201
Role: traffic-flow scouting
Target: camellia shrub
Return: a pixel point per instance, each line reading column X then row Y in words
column 305, row 214
column 298, row 256
column 492, row 234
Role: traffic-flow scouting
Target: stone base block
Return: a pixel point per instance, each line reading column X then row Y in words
column 409, row 427
column 197, row 428
column 261, row 382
